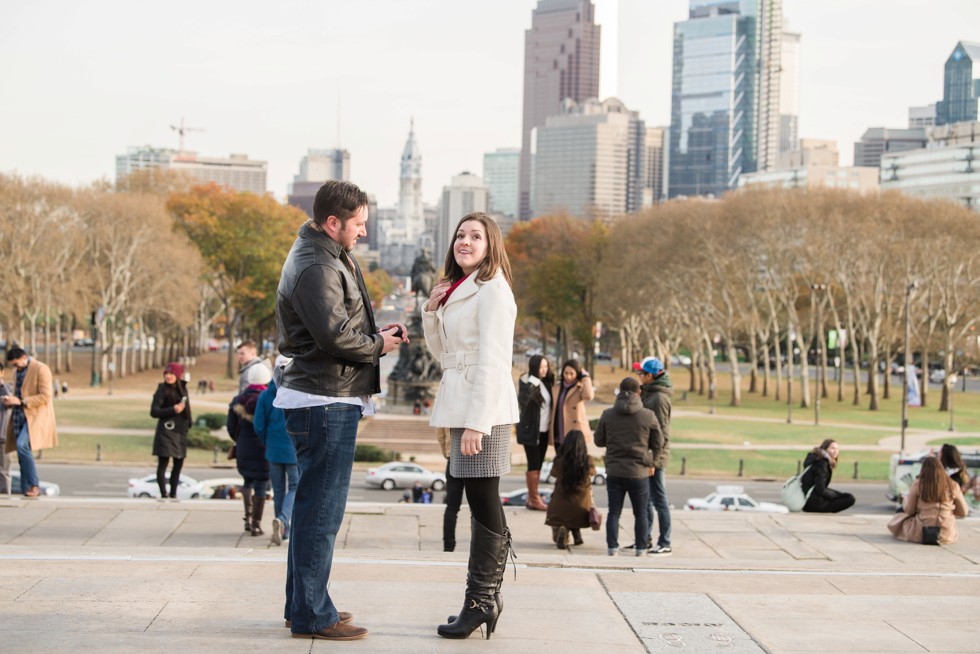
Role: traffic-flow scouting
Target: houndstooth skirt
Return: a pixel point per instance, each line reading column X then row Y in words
column 492, row 461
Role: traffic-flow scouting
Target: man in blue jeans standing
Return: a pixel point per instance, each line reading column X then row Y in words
column 655, row 392
column 630, row 433
column 326, row 325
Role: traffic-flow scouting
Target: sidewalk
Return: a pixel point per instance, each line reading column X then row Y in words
column 79, row 575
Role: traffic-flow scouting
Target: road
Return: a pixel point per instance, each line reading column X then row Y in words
column 112, row 481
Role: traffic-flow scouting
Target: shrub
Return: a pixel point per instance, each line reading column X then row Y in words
column 200, row 438
column 211, row 420
column 373, row 453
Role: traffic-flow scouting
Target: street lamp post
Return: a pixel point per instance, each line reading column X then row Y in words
column 908, row 366
column 816, row 288
column 950, row 394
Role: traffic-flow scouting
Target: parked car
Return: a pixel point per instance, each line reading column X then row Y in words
column 187, row 489
column 84, row 342
column 680, row 360
column 404, row 475
column 902, row 471
column 221, row 488
column 603, row 356
column 599, row 479
column 47, row 487
column 732, row 498
column 937, row 376
column 519, row 497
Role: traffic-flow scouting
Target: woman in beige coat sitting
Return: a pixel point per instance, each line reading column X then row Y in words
column 933, row 500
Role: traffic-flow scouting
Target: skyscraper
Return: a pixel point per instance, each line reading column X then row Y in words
column 961, row 85
column 725, row 95
column 590, row 158
column 878, row 141
column 501, row 174
column 317, row 167
column 561, row 60
column 789, row 93
column 653, row 168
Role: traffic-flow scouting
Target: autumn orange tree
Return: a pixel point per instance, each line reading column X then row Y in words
column 555, row 262
column 243, row 238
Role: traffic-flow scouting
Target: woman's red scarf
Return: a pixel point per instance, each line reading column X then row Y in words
column 452, row 288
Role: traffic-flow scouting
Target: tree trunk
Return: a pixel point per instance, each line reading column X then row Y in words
column 754, row 358
column 736, row 376
column 873, row 375
column 924, row 384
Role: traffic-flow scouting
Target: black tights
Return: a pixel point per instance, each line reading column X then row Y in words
column 483, row 496
column 174, row 475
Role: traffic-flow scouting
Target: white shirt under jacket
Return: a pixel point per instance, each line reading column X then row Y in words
column 472, row 336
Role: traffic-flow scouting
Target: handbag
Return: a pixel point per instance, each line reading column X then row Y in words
column 930, row 535
column 792, row 492
column 595, row 519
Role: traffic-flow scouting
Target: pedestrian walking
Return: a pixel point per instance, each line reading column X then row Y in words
column 534, row 400
column 630, row 433
column 655, row 392
column 32, row 423
column 172, row 409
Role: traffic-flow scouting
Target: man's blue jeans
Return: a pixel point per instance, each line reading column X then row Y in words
column 638, row 490
column 284, row 476
column 28, row 471
column 324, row 438
column 658, row 501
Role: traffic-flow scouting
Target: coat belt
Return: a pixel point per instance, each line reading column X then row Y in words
column 460, row 359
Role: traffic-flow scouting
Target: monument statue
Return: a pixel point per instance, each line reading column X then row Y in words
column 416, row 374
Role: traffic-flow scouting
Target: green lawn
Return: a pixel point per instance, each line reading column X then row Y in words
column 82, row 448
column 105, row 412
column 688, row 429
column 778, row 464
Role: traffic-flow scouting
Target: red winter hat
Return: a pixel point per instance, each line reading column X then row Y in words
column 175, row 368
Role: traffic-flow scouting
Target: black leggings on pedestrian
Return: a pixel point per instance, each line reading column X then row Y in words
column 536, row 453
column 174, row 475
column 483, row 496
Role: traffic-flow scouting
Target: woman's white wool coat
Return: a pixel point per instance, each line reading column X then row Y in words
column 472, row 334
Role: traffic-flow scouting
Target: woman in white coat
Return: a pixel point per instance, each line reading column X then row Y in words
column 468, row 322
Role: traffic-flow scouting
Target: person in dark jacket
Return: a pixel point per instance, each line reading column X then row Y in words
column 270, row 427
column 249, row 450
column 821, row 462
column 571, row 500
column 172, row 410
column 534, row 400
column 630, row 433
column 655, row 392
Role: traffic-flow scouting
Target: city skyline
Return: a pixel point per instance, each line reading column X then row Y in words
column 82, row 84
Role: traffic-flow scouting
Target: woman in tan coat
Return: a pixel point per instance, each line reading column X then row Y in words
column 569, row 395
column 934, row 499
column 571, row 500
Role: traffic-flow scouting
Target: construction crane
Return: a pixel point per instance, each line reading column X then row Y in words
column 181, row 130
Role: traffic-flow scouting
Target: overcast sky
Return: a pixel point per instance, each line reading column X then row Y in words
column 81, row 81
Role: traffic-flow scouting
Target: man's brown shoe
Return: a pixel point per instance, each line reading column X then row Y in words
column 345, row 617
column 33, row 491
column 338, row 631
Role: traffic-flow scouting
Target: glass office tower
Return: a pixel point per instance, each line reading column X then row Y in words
column 715, row 103
column 961, row 85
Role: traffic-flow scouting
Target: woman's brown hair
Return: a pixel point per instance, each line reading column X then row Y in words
column 495, row 260
column 934, row 483
column 827, row 442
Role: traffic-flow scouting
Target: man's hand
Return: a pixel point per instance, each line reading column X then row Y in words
column 472, row 442
column 397, row 326
column 11, row 400
column 391, row 341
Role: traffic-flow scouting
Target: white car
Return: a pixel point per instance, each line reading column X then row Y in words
column 187, row 489
column 599, row 479
column 398, row 474
column 47, row 487
column 732, row 498
column 680, row 360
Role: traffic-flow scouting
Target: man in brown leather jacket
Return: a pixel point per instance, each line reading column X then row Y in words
column 325, row 324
